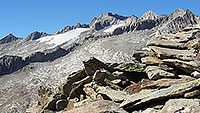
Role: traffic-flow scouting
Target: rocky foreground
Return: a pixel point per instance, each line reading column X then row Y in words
column 162, row 78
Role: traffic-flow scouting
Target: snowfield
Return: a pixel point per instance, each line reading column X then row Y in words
column 64, row 37
column 113, row 27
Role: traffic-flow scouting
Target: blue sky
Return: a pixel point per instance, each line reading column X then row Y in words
column 21, row 17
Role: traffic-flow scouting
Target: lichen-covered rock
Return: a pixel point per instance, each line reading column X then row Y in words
column 137, row 100
column 158, row 84
column 128, row 67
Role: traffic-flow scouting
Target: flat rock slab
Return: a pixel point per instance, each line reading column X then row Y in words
column 137, row 100
column 186, row 66
column 117, row 96
column 166, row 43
column 173, row 53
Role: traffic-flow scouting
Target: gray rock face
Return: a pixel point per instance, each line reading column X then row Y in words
column 8, row 39
column 9, row 64
column 178, row 20
column 35, row 35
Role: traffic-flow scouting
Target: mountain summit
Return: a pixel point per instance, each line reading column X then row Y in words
column 9, row 38
column 150, row 15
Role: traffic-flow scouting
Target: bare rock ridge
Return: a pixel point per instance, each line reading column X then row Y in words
column 8, row 39
column 68, row 28
column 35, row 35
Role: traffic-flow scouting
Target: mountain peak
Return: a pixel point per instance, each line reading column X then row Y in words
column 9, row 38
column 178, row 12
column 150, row 15
column 35, row 35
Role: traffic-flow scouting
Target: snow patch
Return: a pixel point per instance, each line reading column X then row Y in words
column 64, row 37
column 113, row 27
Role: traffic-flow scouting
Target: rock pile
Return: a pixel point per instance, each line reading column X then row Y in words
column 162, row 78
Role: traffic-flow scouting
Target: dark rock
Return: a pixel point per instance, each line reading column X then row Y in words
column 9, row 64
column 8, row 39
column 74, row 77
column 77, row 87
column 118, row 31
column 94, row 64
column 61, row 104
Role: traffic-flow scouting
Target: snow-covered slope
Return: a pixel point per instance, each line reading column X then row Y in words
column 61, row 38
column 113, row 27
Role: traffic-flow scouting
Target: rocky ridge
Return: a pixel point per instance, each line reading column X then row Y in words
column 8, row 39
column 156, row 80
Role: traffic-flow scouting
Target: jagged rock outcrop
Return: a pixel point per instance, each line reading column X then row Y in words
column 36, row 35
column 8, row 39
